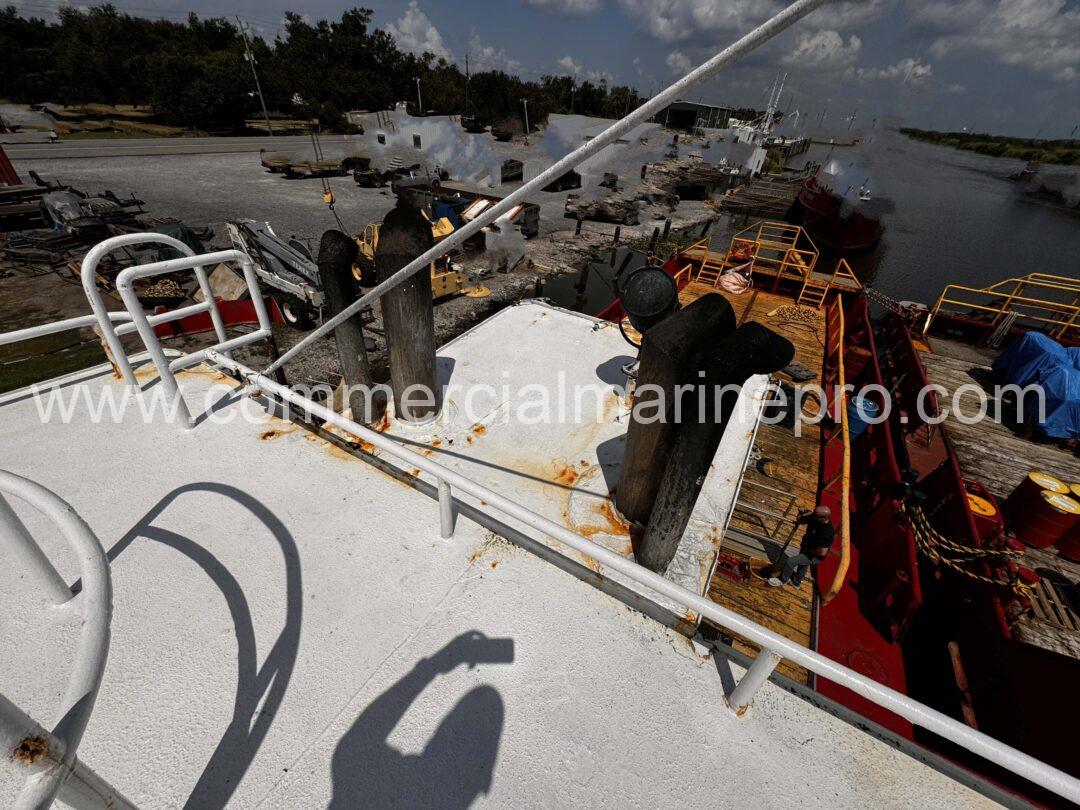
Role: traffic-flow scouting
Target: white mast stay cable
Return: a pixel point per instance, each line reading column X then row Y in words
column 744, row 45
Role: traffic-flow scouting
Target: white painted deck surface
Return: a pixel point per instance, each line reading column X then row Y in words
column 289, row 631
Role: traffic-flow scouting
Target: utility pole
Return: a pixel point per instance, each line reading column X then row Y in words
column 419, row 102
column 250, row 57
column 573, row 90
column 525, row 101
column 466, row 84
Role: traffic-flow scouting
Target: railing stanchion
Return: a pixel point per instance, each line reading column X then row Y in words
column 23, row 546
column 446, row 510
column 741, row 696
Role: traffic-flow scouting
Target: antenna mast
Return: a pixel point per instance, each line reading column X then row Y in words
column 250, row 57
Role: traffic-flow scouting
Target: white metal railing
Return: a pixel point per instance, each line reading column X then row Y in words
column 101, row 317
column 45, row 758
column 110, row 335
column 774, row 647
column 145, row 324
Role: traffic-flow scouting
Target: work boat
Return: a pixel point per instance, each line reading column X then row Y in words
column 221, row 591
column 254, row 598
column 955, row 577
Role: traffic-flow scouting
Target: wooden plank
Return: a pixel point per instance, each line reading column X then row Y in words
column 787, row 610
column 992, row 453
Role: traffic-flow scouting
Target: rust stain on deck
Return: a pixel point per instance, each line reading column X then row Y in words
column 565, row 474
column 479, row 429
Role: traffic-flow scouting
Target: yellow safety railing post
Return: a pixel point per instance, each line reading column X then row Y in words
column 1057, row 316
column 845, row 486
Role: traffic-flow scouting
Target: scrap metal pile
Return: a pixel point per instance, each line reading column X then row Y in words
column 48, row 224
column 48, row 228
column 689, row 178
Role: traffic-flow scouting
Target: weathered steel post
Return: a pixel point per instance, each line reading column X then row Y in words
column 671, row 354
column 337, row 252
column 408, row 313
column 751, row 349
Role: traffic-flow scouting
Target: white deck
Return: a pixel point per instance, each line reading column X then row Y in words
column 290, row 631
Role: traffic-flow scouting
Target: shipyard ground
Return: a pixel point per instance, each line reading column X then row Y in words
column 210, row 189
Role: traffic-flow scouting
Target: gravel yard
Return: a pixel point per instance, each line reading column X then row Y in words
column 209, row 189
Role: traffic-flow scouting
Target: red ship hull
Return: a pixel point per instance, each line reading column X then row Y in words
column 831, row 222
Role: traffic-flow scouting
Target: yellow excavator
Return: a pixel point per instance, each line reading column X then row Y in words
column 444, row 281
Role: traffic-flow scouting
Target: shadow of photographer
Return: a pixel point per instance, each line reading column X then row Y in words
column 456, row 765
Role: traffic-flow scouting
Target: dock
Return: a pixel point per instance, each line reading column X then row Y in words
column 999, row 457
column 767, row 197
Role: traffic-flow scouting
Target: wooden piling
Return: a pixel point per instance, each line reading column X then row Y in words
column 671, row 354
column 751, row 349
column 337, row 252
column 408, row 313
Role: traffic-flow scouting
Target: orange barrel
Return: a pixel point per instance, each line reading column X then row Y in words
column 1028, row 493
column 1068, row 545
column 1047, row 520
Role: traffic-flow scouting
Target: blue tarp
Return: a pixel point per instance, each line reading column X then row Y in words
column 1036, row 359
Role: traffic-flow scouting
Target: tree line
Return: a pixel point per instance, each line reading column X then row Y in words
column 195, row 74
column 1040, row 150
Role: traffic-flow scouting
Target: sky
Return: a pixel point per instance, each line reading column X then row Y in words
column 1002, row 66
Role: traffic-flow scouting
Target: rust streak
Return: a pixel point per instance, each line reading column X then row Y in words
column 479, row 429
column 590, row 563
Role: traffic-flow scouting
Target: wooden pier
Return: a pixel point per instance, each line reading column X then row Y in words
column 769, row 197
column 999, row 457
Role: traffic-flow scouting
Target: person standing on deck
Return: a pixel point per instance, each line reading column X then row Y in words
column 816, row 543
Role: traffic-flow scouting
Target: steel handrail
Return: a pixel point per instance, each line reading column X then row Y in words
column 1013, row 298
column 88, row 276
column 745, row 44
column 47, row 758
column 166, row 369
column 774, row 646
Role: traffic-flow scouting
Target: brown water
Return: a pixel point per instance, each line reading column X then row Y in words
column 952, row 217
column 955, row 218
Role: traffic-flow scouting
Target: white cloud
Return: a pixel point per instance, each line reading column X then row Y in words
column 415, row 33
column 955, row 88
column 570, row 65
column 909, row 71
column 711, row 20
column 1042, row 35
column 597, row 76
column 679, row 62
column 488, row 57
column 566, row 8
column 823, row 49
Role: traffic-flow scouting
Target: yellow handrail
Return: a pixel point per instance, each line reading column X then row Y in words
column 845, row 475
column 1066, row 312
column 686, row 271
